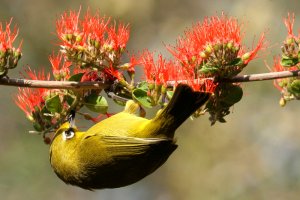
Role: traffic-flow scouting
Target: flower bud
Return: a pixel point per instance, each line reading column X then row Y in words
column 236, row 48
column 194, row 59
column 30, row 117
column 57, row 76
column 64, row 37
column 78, row 38
column 2, row 54
column 246, row 56
column 17, row 54
column 69, row 37
column 289, row 41
column 3, row 62
column 80, row 48
column 163, row 89
column 151, row 86
column 203, row 55
column 208, row 49
column 282, row 102
column 97, row 44
column 229, row 45
column 217, row 47
column 125, row 66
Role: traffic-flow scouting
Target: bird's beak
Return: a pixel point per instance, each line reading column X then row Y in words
column 71, row 119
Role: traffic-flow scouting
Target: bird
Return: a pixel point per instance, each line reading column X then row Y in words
column 123, row 148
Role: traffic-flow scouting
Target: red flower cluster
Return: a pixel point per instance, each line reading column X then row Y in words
column 211, row 48
column 162, row 72
column 9, row 55
column 289, row 23
column 290, row 46
column 157, row 72
column 214, row 42
column 7, row 37
column 93, row 31
column 94, row 43
column 29, row 99
column 288, row 61
column 60, row 69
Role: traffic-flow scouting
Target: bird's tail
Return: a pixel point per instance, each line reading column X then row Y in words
column 184, row 103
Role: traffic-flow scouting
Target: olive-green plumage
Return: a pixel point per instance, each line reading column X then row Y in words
column 124, row 148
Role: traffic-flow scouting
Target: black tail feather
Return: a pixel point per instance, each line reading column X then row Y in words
column 184, row 103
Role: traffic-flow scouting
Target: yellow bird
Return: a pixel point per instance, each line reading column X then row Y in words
column 124, row 148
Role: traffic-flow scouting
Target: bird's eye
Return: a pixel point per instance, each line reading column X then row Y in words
column 68, row 134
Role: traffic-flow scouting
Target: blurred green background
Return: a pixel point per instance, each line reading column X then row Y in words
column 255, row 155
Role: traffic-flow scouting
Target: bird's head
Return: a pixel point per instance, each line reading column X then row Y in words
column 67, row 133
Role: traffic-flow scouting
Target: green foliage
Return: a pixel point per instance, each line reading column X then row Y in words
column 294, row 87
column 231, row 94
column 288, row 61
column 141, row 96
column 209, row 69
column 76, row 77
column 53, row 104
column 96, row 103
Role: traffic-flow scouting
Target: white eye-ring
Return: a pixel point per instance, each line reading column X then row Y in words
column 68, row 134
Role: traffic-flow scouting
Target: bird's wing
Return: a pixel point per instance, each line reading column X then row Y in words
column 122, row 146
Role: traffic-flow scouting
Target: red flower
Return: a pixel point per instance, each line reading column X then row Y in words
column 60, row 69
column 8, row 36
column 277, row 67
column 185, row 51
column 112, row 73
column 89, row 76
column 289, row 23
column 206, row 41
column 134, row 60
column 29, row 99
column 118, row 37
column 176, row 73
column 148, row 64
column 36, row 76
column 160, row 71
column 202, row 84
column 247, row 57
column 68, row 29
column 95, row 28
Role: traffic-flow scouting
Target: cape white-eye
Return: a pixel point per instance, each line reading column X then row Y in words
column 123, row 148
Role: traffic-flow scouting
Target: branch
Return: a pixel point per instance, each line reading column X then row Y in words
column 99, row 85
column 52, row 84
column 263, row 76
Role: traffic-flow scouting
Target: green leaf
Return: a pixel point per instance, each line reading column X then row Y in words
column 37, row 127
column 53, row 104
column 289, row 62
column 96, row 103
column 294, row 87
column 236, row 62
column 142, row 97
column 3, row 73
column 234, row 94
column 69, row 99
column 284, row 56
column 121, row 103
column 209, row 69
column 170, row 94
column 76, row 77
column 143, row 86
